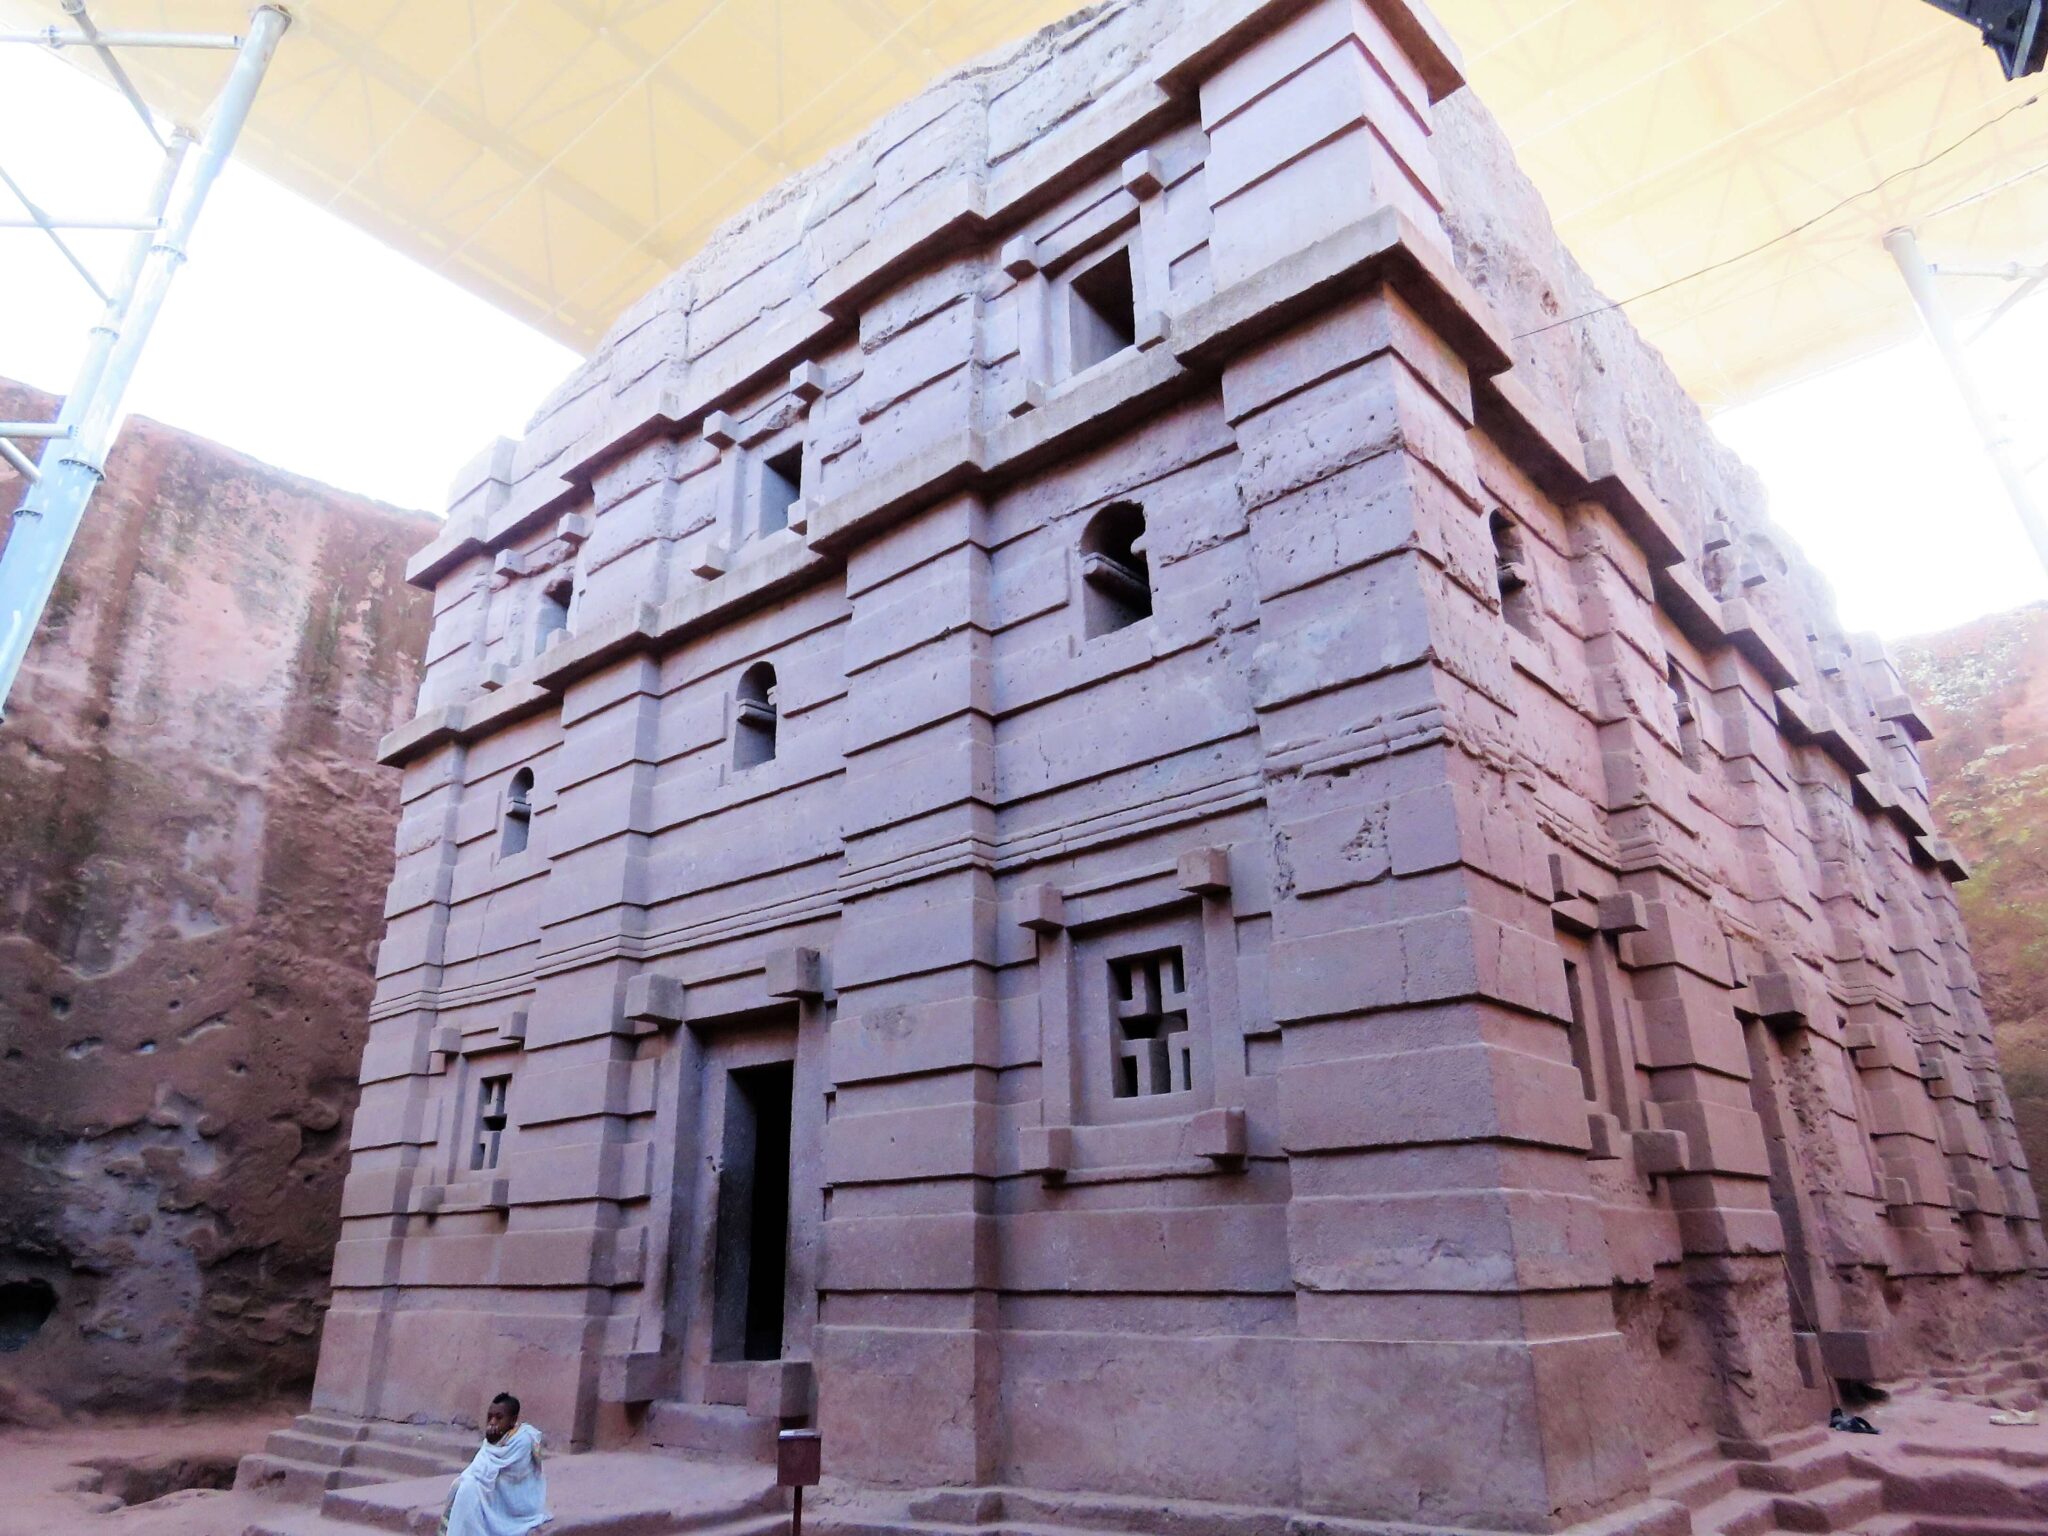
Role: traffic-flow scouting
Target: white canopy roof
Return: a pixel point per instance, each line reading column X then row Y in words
column 560, row 156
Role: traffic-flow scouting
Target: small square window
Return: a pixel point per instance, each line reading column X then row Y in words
column 490, row 1122
column 1139, row 1030
column 1102, row 311
column 1149, row 1004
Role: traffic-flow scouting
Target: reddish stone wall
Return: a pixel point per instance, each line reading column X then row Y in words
column 194, row 840
column 1460, row 809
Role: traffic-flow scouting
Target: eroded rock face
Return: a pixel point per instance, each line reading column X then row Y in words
column 1984, row 687
column 194, row 840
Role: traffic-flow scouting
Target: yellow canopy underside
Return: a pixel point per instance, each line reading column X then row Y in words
column 559, row 156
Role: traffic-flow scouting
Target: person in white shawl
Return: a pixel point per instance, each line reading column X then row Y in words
column 502, row 1492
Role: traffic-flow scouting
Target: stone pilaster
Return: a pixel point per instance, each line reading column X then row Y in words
column 907, row 1346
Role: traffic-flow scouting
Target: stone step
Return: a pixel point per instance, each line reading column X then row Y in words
column 295, row 1445
column 663, row 1523
column 309, row 1522
column 402, row 1505
column 1946, row 1525
column 1698, row 1486
column 329, row 1426
column 1976, row 1490
column 720, row 1433
column 605, row 1494
column 1016, row 1510
column 285, row 1477
column 437, row 1439
column 1826, row 1463
column 2015, row 1453
column 1837, row 1507
column 399, row 1461
column 301, row 1522
column 870, row 1520
column 1743, row 1512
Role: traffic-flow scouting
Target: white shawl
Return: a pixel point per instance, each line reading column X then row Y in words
column 502, row 1492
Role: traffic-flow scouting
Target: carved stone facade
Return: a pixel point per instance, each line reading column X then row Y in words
column 1087, row 807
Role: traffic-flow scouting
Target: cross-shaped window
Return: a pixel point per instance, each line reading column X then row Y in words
column 1154, row 1052
column 490, row 1122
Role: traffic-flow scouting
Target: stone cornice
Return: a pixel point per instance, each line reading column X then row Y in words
column 1384, row 248
column 966, row 209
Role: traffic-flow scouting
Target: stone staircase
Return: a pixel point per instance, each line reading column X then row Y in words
column 1992, row 1490
column 1813, row 1483
column 2011, row 1378
column 1817, row 1481
column 1828, row 1482
column 322, row 1453
column 619, row 1493
column 712, row 1431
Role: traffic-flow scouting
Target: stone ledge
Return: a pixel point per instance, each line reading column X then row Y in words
column 1620, row 487
column 1383, row 246
column 1539, row 439
column 973, row 207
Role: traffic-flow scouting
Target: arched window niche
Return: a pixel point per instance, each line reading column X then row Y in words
column 754, row 718
column 518, row 814
column 1115, row 575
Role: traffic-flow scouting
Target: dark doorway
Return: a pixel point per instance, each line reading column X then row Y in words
column 753, row 1214
column 25, row 1305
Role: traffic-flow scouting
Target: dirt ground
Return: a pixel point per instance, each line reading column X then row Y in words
column 108, row 1477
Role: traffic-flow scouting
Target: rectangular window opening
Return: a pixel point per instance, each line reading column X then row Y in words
column 1582, row 1034
column 490, row 1122
column 553, row 619
column 782, row 485
column 1102, row 310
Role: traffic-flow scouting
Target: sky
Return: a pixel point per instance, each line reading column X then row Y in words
column 302, row 341
column 289, row 334
column 1880, row 478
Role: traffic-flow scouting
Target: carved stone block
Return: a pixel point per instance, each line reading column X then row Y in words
column 1204, row 871
column 796, row 972
column 1141, row 174
column 1219, row 1135
column 1661, row 1152
column 1040, row 909
column 1047, row 1150
column 653, row 1000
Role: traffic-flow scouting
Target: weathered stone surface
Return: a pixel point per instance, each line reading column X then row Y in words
column 193, row 835
column 1981, row 686
column 1375, row 956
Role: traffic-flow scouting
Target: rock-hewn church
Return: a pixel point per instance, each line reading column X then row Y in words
column 1094, row 810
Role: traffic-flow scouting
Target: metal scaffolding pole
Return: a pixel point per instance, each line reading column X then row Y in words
column 74, row 456
column 1905, row 250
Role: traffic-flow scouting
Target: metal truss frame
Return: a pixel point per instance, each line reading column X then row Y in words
column 73, row 454
column 2012, row 29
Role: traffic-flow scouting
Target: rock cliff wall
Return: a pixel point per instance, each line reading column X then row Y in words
column 1984, row 687
column 194, row 841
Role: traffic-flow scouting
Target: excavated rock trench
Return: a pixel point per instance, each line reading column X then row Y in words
column 196, row 840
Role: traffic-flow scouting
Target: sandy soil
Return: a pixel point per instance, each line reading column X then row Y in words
column 54, row 1482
